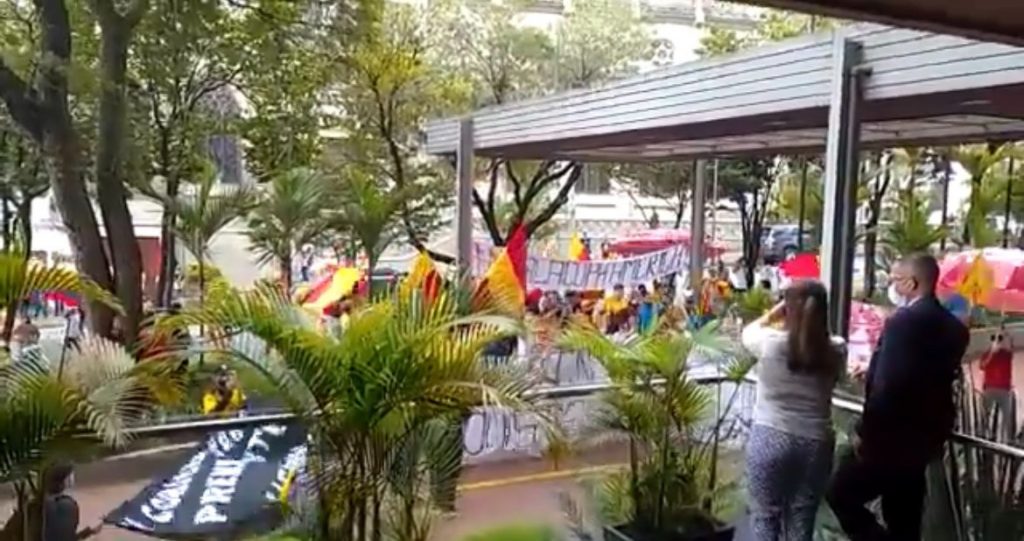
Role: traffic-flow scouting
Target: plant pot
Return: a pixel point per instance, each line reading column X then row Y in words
column 626, row 532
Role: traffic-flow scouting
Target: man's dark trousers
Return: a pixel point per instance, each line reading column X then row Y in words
column 859, row 481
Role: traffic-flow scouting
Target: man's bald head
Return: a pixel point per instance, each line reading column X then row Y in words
column 925, row 271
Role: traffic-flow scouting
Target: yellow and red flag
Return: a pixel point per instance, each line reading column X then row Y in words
column 578, row 249
column 503, row 286
column 423, row 276
column 978, row 282
column 331, row 289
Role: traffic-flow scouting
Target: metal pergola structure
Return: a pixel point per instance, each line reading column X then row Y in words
column 855, row 88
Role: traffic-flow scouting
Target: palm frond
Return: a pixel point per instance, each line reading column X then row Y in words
column 20, row 278
column 207, row 210
column 101, row 391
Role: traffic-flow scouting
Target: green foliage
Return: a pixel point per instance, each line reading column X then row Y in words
column 982, row 163
column 24, row 180
column 383, row 399
column 669, row 181
column 775, row 25
column 910, row 231
column 787, row 203
column 749, row 184
column 207, row 210
column 522, row 532
column 484, row 43
column 598, row 40
column 658, row 408
column 753, row 303
column 369, row 211
column 19, row 279
column 287, row 216
column 393, row 82
column 288, row 66
column 54, row 411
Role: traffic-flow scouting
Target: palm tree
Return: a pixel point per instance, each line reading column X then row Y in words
column 659, row 409
column 287, row 216
column 368, row 212
column 979, row 161
column 382, row 399
column 910, row 232
column 49, row 414
column 203, row 213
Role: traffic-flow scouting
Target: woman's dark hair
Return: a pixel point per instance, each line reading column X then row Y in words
column 810, row 344
column 56, row 477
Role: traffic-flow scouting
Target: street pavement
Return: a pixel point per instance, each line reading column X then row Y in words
column 491, row 494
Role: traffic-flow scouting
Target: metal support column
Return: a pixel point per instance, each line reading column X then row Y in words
column 803, row 204
column 1009, row 203
column 464, row 196
column 697, row 225
column 841, row 171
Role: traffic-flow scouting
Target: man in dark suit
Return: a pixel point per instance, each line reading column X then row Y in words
column 908, row 410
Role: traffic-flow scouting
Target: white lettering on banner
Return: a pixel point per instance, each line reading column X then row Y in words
column 296, row 459
column 494, row 431
column 219, row 489
column 275, row 430
column 544, row 273
column 160, row 508
column 223, row 442
column 256, row 443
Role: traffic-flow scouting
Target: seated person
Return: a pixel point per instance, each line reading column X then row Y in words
column 225, row 396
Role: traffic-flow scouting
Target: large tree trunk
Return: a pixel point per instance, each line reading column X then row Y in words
column 111, row 192
column 41, row 110
column 76, row 211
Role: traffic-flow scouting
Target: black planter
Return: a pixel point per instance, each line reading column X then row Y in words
column 624, row 532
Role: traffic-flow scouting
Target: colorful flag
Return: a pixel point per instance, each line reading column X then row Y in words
column 503, row 286
column 977, row 284
column 331, row 289
column 423, row 276
column 578, row 250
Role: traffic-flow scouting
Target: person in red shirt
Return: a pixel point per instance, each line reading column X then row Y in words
column 997, row 384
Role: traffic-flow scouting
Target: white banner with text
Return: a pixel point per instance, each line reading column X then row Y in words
column 544, row 273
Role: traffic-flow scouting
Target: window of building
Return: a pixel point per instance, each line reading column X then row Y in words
column 595, row 180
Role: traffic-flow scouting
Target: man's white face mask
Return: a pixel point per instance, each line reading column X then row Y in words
column 896, row 297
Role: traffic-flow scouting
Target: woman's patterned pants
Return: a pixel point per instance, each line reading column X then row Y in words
column 786, row 480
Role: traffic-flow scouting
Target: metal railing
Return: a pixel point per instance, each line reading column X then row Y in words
column 841, row 403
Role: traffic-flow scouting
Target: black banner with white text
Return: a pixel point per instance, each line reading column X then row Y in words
column 234, row 482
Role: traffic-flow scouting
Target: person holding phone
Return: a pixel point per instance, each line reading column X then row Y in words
column 997, row 393
column 789, row 453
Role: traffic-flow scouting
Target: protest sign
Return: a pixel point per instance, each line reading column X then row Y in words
column 231, row 484
column 545, row 273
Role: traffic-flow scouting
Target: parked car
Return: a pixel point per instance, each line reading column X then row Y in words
column 782, row 240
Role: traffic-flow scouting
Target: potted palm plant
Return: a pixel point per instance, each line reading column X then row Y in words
column 383, row 401
column 662, row 412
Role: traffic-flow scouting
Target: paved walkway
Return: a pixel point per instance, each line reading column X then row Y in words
column 491, row 494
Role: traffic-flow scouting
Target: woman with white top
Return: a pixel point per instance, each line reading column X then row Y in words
column 789, row 453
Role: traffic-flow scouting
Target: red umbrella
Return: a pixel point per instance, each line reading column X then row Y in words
column 644, row 241
column 802, row 266
column 1006, row 266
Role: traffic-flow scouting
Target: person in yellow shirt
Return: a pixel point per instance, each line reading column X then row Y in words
column 616, row 310
column 225, row 396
